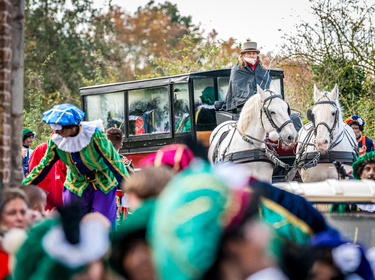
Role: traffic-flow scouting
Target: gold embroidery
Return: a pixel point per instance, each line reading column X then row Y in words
column 109, row 160
column 33, row 176
column 292, row 219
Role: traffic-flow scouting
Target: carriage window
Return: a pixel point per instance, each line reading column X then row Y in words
column 181, row 107
column 107, row 107
column 223, row 84
column 276, row 84
column 204, row 98
column 149, row 111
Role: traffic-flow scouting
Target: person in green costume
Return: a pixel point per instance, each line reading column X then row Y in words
column 94, row 168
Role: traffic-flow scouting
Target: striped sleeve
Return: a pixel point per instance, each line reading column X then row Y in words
column 111, row 158
column 45, row 165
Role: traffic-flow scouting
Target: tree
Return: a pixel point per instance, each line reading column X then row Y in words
column 209, row 54
column 152, row 32
column 340, row 46
column 53, row 26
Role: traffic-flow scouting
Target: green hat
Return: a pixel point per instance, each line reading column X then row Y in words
column 135, row 222
column 27, row 133
column 31, row 254
column 359, row 161
column 46, row 253
column 208, row 95
column 187, row 224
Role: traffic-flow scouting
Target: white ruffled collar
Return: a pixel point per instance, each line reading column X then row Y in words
column 76, row 143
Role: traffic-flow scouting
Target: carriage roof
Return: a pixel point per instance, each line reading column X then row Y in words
column 146, row 83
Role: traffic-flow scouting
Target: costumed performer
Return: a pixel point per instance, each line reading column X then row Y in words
column 94, row 168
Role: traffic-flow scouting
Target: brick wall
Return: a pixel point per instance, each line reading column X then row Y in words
column 5, row 90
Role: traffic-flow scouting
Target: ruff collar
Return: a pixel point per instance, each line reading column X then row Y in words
column 78, row 142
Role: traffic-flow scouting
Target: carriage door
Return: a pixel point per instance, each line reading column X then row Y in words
column 204, row 98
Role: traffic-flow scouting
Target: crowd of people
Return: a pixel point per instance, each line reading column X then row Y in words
column 84, row 213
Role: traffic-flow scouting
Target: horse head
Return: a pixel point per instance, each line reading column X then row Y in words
column 275, row 116
column 325, row 116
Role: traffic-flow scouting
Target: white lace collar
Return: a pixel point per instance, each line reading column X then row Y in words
column 76, row 143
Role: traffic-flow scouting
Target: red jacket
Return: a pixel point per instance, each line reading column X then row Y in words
column 4, row 263
column 53, row 183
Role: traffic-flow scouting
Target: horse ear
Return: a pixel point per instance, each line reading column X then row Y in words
column 316, row 92
column 261, row 92
column 335, row 92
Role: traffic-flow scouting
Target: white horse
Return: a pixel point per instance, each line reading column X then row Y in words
column 243, row 141
column 325, row 139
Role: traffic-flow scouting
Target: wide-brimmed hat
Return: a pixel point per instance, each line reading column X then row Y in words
column 250, row 47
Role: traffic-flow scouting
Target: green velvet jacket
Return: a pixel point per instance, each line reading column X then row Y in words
column 97, row 163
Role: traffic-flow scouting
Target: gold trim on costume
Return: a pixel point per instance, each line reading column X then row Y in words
column 93, row 158
column 72, row 185
column 109, row 160
column 33, row 176
column 158, row 158
column 292, row 219
column 83, row 160
column 177, row 157
column 71, row 162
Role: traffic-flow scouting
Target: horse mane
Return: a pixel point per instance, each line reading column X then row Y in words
column 250, row 111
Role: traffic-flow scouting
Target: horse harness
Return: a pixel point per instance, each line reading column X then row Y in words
column 311, row 159
column 311, row 117
column 253, row 155
column 266, row 111
column 244, row 156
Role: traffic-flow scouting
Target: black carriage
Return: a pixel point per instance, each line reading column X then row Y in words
column 160, row 111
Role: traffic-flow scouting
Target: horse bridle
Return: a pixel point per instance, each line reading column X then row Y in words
column 311, row 117
column 266, row 111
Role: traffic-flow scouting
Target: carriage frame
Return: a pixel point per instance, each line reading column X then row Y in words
column 138, row 146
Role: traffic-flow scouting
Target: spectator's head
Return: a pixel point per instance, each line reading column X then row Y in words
column 13, row 209
column 364, row 167
column 176, row 156
column 27, row 137
column 64, row 119
column 37, row 198
column 356, row 123
column 146, row 183
column 115, row 136
column 336, row 258
column 249, row 54
column 131, row 254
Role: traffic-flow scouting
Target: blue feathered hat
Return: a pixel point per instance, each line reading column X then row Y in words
column 62, row 115
column 357, row 120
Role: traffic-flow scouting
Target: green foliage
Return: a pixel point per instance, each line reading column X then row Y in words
column 58, row 26
column 39, row 101
column 208, row 54
column 104, row 73
column 339, row 47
